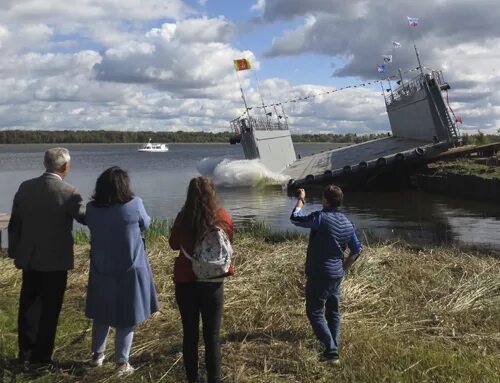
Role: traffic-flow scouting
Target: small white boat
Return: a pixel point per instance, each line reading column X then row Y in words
column 153, row 148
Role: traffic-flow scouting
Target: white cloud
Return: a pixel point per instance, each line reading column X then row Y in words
column 155, row 64
column 190, row 59
column 62, row 10
column 259, row 6
column 461, row 37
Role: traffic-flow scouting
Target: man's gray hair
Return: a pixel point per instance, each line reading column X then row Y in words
column 56, row 158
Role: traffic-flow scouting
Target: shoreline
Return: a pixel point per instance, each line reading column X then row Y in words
column 476, row 180
column 167, row 143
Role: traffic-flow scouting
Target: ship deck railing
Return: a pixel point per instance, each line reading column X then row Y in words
column 240, row 125
column 410, row 88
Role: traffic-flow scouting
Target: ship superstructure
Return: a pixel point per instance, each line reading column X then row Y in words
column 421, row 129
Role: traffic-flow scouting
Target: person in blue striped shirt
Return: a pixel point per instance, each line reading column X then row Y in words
column 331, row 234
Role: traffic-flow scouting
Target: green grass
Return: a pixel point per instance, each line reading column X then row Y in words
column 259, row 229
column 468, row 168
column 158, row 229
column 426, row 315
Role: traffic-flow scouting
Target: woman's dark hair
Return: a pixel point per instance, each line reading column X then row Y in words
column 333, row 195
column 112, row 187
column 200, row 208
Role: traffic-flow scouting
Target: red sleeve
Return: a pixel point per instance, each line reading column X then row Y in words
column 224, row 221
column 175, row 232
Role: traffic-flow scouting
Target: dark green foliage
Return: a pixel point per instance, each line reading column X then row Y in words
column 123, row 137
column 103, row 136
column 480, row 138
column 351, row 138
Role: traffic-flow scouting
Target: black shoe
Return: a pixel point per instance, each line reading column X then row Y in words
column 330, row 357
column 24, row 357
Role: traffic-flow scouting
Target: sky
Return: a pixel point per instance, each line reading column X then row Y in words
column 167, row 65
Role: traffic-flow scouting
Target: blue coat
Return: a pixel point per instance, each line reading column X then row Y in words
column 121, row 290
column 331, row 232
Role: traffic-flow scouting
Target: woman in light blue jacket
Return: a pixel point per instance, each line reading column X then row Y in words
column 121, row 290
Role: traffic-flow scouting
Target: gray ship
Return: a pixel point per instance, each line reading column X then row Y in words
column 421, row 129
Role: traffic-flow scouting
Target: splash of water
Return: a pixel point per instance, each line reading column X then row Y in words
column 227, row 172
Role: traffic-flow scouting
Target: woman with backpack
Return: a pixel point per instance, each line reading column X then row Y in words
column 199, row 216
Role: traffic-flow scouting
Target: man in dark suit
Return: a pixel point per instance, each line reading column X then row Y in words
column 41, row 244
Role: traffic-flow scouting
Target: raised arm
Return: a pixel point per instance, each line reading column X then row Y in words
column 299, row 218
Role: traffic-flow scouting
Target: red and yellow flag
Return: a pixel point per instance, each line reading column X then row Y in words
column 242, row 64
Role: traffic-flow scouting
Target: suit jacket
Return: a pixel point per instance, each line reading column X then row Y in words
column 41, row 224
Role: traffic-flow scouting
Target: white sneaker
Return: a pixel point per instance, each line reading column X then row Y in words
column 124, row 369
column 97, row 359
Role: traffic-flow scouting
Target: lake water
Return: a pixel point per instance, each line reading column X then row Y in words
column 161, row 179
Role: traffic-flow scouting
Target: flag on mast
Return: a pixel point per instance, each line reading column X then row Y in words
column 412, row 21
column 242, row 64
column 395, row 44
column 387, row 58
column 380, row 68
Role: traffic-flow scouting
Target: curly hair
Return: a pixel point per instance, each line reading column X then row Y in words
column 199, row 211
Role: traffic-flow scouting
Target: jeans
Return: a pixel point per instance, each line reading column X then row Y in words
column 323, row 311
column 207, row 299
column 40, row 303
column 123, row 340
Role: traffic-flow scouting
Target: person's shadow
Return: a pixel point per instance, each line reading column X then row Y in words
column 12, row 369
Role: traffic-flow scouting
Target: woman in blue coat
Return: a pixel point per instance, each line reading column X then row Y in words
column 121, row 292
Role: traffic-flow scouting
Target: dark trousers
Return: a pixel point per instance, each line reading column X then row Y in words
column 323, row 312
column 207, row 299
column 42, row 294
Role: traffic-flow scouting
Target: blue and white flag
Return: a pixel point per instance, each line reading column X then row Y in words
column 387, row 58
column 380, row 68
column 395, row 44
column 412, row 21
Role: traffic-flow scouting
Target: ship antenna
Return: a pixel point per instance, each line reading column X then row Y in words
column 261, row 98
column 418, row 58
column 412, row 23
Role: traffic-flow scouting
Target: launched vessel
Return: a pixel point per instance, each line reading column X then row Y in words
column 153, row 148
column 421, row 129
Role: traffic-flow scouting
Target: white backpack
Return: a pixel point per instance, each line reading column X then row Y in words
column 212, row 255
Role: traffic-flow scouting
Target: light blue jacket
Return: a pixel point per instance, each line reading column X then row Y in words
column 121, row 290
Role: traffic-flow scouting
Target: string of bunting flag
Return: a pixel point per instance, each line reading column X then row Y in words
column 312, row 96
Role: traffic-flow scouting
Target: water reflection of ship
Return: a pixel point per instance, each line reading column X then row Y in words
column 421, row 130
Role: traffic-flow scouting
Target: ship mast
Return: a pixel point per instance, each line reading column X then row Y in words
column 418, row 58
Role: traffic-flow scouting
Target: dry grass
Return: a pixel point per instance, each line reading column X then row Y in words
column 409, row 315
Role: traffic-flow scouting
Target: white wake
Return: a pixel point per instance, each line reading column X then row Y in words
column 227, row 172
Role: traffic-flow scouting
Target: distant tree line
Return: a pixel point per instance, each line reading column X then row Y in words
column 114, row 137
column 105, row 137
column 351, row 138
column 480, row 138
